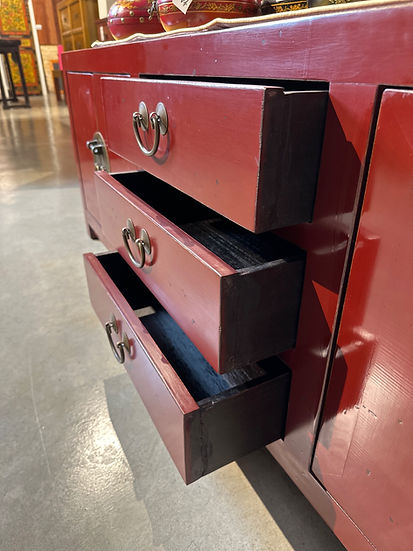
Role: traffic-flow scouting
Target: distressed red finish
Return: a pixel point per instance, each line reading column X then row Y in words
column 355, row 52
column 86, row 114
column 157, row 381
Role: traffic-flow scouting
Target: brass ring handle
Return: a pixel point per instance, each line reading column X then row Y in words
column 155, row 123
column 159, row 122
column 143, row 243
column 139, row 243
column 118, row 349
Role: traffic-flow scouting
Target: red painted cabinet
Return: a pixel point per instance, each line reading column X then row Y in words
column 344, row 438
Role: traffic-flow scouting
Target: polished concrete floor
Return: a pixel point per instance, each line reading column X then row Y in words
column 81, row 465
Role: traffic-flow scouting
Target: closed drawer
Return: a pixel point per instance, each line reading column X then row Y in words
column 249, row 152
column 235, row 294
column 206, row 420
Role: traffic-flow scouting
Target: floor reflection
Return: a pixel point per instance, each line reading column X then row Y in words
column 36, row 146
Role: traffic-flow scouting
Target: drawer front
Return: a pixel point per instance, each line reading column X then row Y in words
column 234, row 316
column 249, row 152
column 200, row 434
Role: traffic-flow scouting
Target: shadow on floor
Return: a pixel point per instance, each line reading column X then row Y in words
column 233, row 500
column 294, row 515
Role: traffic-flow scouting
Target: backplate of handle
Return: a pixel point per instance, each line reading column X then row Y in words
column 100, row 153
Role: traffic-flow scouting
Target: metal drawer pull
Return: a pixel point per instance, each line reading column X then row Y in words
column 143, row 243
column 159, row 122
column 118, row 349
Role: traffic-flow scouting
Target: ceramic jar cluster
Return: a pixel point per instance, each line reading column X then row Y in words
column 127, row 17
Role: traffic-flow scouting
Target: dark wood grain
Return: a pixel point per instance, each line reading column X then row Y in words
column 259, row 311
column 257, row 410
column 292, row 134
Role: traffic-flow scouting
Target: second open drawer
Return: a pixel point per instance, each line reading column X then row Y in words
column 235, row 294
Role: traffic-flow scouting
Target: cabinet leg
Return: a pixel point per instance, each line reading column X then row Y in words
column 92, row 233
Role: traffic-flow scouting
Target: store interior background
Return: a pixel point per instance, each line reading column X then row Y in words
column 82, row 466
column 36, row 24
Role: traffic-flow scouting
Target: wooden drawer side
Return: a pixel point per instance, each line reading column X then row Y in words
column 290, row 158
column 269, row 298
column 241, row 421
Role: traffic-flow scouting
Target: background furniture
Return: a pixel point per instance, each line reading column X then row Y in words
column 15, row 25
column 103, row 31
column 58, row 82
column 77, row 23
column 12, row 47
column 347, row 441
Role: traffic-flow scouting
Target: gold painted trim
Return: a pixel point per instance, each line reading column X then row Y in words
column 224, row 7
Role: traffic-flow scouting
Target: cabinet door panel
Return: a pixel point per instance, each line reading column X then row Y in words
column 84, row 123
column 363, row 456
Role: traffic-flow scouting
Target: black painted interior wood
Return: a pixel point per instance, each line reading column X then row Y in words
column 238, row 247
column 195, row 372
column 128, row 283
column 288, row 85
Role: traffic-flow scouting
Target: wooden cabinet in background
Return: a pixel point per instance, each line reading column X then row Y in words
column 45, row 14
column 77, row 23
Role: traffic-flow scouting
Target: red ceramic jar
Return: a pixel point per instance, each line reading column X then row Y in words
column 127, row 17
column 203, row 11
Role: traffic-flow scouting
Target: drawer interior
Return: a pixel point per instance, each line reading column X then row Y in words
column 289, row 85
column 201, row 380
column 238, row 247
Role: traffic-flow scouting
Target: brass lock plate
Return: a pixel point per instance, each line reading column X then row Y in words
column 99, row 151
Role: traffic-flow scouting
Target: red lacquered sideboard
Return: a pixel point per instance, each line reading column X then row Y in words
column 255, row 187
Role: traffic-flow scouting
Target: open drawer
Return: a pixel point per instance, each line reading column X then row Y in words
column 236, row 295
column 249, row 152
column 206, row 420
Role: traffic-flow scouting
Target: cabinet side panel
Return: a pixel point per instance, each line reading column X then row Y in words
column 325, row 242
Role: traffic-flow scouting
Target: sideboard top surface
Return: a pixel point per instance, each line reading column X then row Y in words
column 360, row 45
